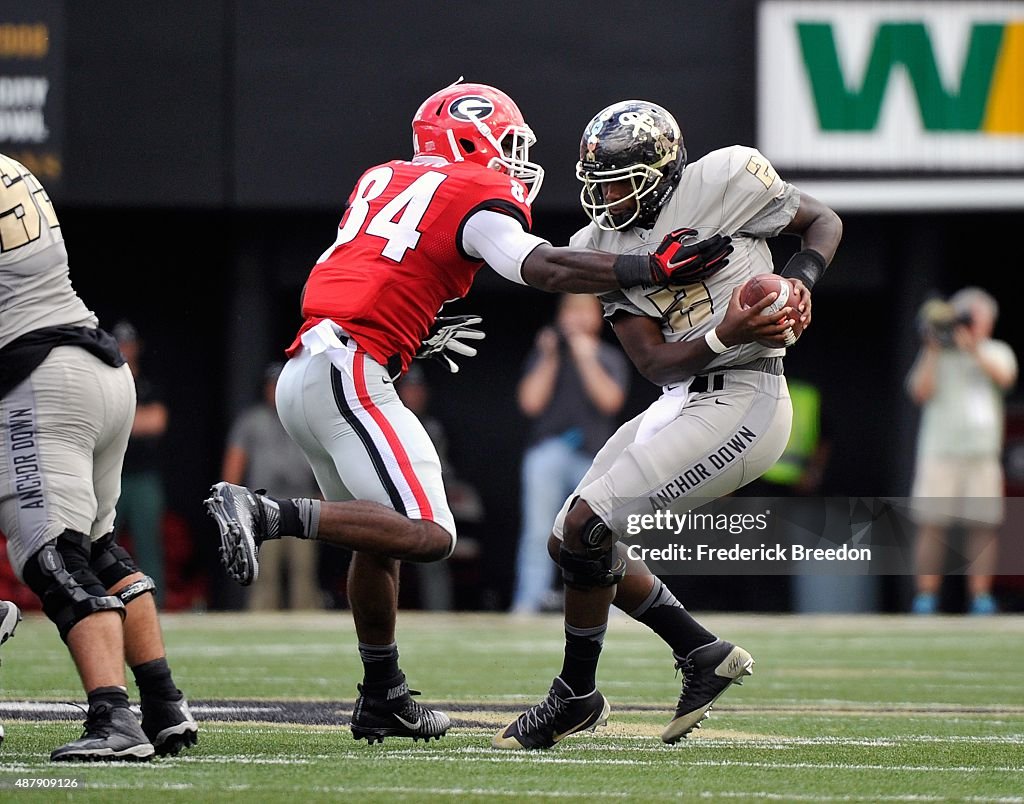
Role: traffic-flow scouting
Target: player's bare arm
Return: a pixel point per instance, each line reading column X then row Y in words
column 570, row 270
column 573, row 270
column 820, row 230
column 501, row 241
column 663, row 363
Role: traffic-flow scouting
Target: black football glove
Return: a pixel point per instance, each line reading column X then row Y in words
column 447, row 335
column 674, row 263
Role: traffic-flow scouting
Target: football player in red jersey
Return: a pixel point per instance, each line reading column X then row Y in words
column 413, row 235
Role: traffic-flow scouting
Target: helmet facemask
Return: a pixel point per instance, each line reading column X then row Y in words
column 644, row 183
column 512, row 155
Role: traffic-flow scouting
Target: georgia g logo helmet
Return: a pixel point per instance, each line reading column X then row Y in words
column 471, row 107
column 477, row 123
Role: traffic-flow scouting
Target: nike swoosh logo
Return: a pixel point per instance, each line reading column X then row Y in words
column 407, row 724
column 556, row 737
column 720, row 402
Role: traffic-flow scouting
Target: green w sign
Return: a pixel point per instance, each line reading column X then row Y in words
column 909, row 45
column 892, row 84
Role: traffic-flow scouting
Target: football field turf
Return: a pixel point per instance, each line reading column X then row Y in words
column 871, row 709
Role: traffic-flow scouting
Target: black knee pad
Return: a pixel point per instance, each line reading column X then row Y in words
column 594, row 568
column 112, row 564
column 110, row 561
column 60, row 575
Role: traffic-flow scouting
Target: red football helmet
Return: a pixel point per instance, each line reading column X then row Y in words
column 477, row 123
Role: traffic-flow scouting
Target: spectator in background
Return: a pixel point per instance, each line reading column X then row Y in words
column 435, row 578
column 261, row 454
column 959, row 379
column 573, row 388
column 141, row 507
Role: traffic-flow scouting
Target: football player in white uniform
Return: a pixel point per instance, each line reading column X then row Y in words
column 67, row 402
column 725, row 413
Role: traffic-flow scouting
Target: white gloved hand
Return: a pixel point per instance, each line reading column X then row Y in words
column 447, row 336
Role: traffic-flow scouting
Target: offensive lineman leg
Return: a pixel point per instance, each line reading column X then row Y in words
column 143, row 640
column 76, row 601
column 166, row 718
column 96, row 644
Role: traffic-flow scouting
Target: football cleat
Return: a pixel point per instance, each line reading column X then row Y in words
column 556, row 717
column 391, row 712
column 10, row 616
column 169, row 725
column 242, row 518
column 111, row 733
column 708, row 671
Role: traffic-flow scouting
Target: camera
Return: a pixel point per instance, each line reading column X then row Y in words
column 939, row 319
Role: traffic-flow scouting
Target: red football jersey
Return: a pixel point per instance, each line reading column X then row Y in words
column 398, row 255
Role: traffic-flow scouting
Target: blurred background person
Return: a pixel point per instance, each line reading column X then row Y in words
column 801, row 469
column 260, row 454
column 959, row 379
column 573, row 387
column 435, row 578
column 140, row 509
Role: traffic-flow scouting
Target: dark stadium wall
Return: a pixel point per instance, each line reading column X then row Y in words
column 209, row 147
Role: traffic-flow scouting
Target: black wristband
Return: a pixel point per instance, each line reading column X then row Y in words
column 808, row 266
column 632, row 270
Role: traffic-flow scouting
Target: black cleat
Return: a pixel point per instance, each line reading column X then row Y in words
column 391, row 712
column 111, row 733
column 242, row 518
column 708, row 671
column 169, row 725
column 555, row 718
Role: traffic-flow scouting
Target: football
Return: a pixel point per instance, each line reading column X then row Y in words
column 759, row 286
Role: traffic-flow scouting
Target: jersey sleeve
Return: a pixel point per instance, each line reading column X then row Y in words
column 775, row 217
column 499, row 241
column 746, row 184
column 497, row 192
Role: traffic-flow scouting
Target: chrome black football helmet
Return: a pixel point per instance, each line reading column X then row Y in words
column 630, row 140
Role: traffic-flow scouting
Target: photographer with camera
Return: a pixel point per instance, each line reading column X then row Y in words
column 959, row 379
column 572, row 389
